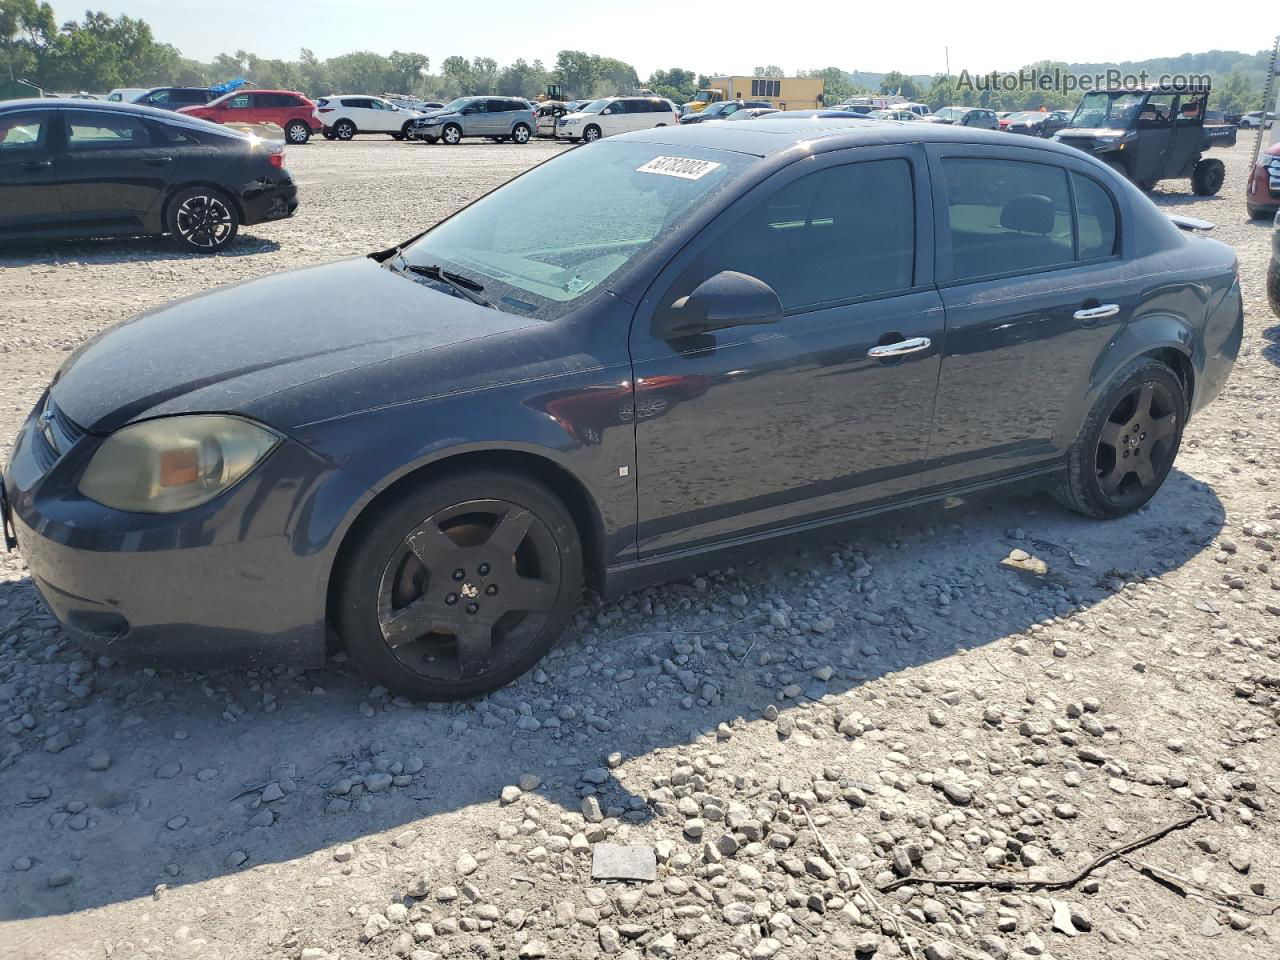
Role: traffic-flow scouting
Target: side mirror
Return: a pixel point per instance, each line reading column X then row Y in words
column 728, row 299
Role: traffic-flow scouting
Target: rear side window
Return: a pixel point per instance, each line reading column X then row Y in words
column 238, row 102
column 99, row 131
column 322, row 102
column 834, row 235
column 1095, row 218
column 21, row 132
column 1006, row 216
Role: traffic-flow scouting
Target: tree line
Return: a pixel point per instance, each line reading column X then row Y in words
column 100, row 53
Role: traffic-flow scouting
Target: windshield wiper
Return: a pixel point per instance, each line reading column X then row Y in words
column 469, row 288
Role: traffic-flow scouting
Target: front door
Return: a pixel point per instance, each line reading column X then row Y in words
column 476, row 121
column 1034, row 289
column 1188, row 136
column 1155, row 138
column 28, row 172
column 110, row 170
column 752, row 429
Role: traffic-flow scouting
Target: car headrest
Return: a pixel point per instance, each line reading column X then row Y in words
column 1028, row 213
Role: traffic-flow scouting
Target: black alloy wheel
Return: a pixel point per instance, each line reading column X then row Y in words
column 1128, row 443
column 467, row 598
column 202, row 219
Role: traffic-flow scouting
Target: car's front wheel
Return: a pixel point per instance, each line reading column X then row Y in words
column 459, row 586
column 1127, row 444
column 451, row 134
column 202, row 219
column 297, row 132
column 591, row 134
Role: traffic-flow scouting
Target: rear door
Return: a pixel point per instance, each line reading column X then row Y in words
column 29, row 197
column 111, row 170
column 1155, row 137
column 1034, row 287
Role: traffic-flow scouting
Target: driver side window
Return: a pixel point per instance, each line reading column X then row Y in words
column 1157, row 111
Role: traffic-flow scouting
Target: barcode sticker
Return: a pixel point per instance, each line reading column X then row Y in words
column 685, row 168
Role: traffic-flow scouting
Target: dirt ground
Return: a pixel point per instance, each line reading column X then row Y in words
column 784, row 738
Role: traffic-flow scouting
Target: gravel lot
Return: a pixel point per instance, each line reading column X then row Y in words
column 785, row 738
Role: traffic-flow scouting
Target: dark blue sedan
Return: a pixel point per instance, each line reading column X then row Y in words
column 630, row 359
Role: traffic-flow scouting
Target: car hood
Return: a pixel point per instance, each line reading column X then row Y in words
column 432, row 114
column 222, row 350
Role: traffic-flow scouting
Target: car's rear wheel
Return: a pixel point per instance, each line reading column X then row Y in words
column 520, row 133
column 344, row 130
column 328, row 134
column 451, row 134
column 297, row 132
column 1128, row 442
column 202, row 219
column 460, row 586
column 591, row 134
column 1207, row 177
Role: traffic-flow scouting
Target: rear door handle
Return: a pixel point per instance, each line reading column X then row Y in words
column 911, row 345
column 156, row 161
column 1097, row 313
column 36, row 164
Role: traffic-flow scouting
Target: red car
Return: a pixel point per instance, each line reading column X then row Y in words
column 287, row 109
column 1263, row 193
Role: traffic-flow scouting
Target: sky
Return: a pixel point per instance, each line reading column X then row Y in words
column 729, row 38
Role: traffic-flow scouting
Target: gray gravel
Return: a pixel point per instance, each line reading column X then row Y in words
column 782, row 739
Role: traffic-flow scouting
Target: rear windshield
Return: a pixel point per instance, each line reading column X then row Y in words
column 559, row 233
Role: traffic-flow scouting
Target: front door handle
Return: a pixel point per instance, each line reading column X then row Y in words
column 911, row 345
column 1097, row 313
column 156, row 161
column 36, row 164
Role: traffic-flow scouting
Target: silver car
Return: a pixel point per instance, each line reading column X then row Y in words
column 498, row 118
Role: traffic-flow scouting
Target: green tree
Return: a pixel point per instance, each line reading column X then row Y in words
column 836, row 86
column 456, row 71
column 772, row 70
column 616, row 78
column 522, row 79
column 407, row 71
column 897, row 82
column 26, row 29
column 578, row 72
column 676, row 84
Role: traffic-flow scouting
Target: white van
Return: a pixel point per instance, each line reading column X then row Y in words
column 603, row 118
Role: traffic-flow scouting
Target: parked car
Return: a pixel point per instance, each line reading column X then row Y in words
column 498, row 118
column 919, row 109
column 722, row 110
column 1251, row 120
column 125, row 94
column 287, row 109
column 79, row 168
column 977, row 117
column 1151, row 134
column 1262, row 195
column 816, row 115
column 373, row 439
column 343, row 116
column 1037, row 123
column 412, row 103
column 175, row 98
column 613, row 115
column 902, row 115
column 752, row 113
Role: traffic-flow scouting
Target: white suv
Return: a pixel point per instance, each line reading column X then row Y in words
column 345, row 115
column 602, row 118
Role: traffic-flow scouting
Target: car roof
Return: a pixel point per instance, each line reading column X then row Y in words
column 112, row 106
column 1170, row 87
column 773, row 133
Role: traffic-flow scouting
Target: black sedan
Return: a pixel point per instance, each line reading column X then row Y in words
column 623, row 363
column 1036, row 123
column 73, row 168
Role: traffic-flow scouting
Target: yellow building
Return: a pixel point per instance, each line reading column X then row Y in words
column 785, row 93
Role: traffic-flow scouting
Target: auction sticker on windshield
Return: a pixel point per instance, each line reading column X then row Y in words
column 685, row 168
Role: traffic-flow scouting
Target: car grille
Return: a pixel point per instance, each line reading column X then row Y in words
column 1080, row 143
column 56, row 434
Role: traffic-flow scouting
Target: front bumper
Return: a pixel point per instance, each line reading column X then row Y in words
column 1263, row 190
column 266, row 199
column 243, row 578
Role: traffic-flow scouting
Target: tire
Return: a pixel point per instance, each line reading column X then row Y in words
column 202, row 219
column 1273, row 286
column 464, row 580
column 431, row 139
column 344, row 130
column 328, row 134
column 521, row 133
column 451, row 134
column 1127, row 443
column 297, row 131
column 1207, row 177
column 591, row 134
column 1260, row 213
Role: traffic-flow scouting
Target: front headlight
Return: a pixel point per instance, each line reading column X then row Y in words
column 570, row 120
column 171, row 464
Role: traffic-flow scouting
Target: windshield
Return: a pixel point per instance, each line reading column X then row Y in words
column 595, row 106
column 950, row 113
column 704, row 96
column 556, row 234
column 453, row 106
column 1116, row 110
